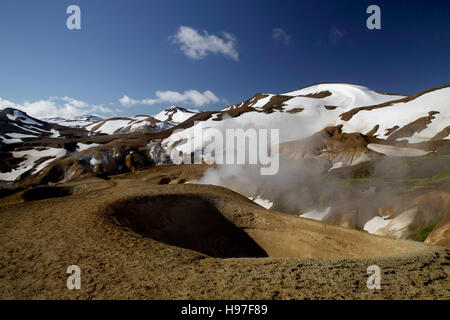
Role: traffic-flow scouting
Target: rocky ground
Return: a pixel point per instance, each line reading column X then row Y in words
column 247, row 253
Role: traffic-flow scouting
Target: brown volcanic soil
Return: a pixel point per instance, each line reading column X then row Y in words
column 90, row 223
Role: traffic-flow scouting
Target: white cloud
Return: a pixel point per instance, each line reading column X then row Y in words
column 126, row 101
column 103, row 109
column 335, row 34
column 6, row 104
column 198, row 45
column 280, row 34
column 188, row 97
column 74, row 102
column 64, row 107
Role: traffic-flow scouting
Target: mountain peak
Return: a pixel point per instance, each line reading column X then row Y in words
column 175, row 114
column 171, row 108
column 88, row 117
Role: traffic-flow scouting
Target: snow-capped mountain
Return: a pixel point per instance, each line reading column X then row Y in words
column 16, row 126
column 316, row 118
column 76, row 122
column 315, row 113
column 356, row 109
column 297, row 114
column 175, row 115
column 119, row 125
column 16, row 129
column 165, row 119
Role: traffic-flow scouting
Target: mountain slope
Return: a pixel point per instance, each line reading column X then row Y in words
column 297, row 114
column 165, row 119
column 421, row 117
column 119, row 125
column 15, row 126
column 76, row 122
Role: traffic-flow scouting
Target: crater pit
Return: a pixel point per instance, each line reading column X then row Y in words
column 189, row 222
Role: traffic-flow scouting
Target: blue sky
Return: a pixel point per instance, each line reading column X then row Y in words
column 209, row 54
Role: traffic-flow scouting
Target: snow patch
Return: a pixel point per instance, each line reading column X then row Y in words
column 376, row 223
column 94, row 161
column 20, row 135
column 111, row 126
column 316, row 214
column 8, row 141
column 393, row 151
column 262, row 202
column 83, row 146
column 336, row 166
